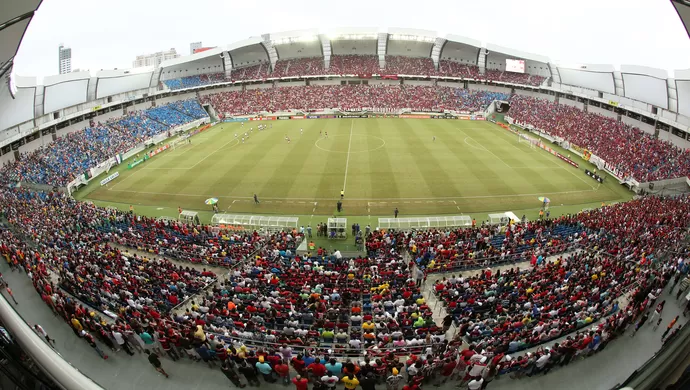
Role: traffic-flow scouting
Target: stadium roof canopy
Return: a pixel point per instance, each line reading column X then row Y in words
column 683, row 9
column 14, row 19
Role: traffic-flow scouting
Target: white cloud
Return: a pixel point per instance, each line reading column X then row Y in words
column 106, row 35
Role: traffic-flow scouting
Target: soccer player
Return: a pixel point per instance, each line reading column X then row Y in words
column 235, row 135
column 434, row 139
column 256, row 199
column 242, row 139
column 301, row 131
column 326, row 134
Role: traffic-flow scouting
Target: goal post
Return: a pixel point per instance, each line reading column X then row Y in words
column 180, row 142
column 527, row 140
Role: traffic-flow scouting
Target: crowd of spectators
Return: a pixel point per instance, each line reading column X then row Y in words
column 62, row 160
column 309, row 66
column 351, row 97
column 355, row 64
column 190, row 108
column 253, row 72
column 409, row 66
column 467, row 248
column 456, row 69
column 326, row 304
column 195, row 81
column 516, row 309
column 629, row 151
column 512, row 77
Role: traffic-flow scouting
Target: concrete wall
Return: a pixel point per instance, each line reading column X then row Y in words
column 679, row 142
column 419, row 82
column 533, row 94
column 640, row 125
column 572, row 103
column 604, row 112
column 492, row 88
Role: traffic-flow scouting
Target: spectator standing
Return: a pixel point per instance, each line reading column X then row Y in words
column 369, row 382
column 156, row 363
column 670, row 326
column 300, row 383
column 330, row 380
column 41, row 332
column 283, row 371
column 393, row 380
column 334, row 367
column 249, row 373
column 475, row 384
column 9, row 291
column 89, row 339
column 350, row 381
column 120, row 340
column 265, row 369
column 230, row 373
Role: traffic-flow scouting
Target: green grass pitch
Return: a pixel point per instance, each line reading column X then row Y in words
column 471, row 167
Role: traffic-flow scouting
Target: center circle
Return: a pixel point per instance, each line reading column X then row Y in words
column 351, row 145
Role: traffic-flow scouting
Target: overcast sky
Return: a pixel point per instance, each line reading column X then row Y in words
column 109, row 34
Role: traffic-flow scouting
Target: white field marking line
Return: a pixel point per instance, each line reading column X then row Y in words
column 120, row 181
column 199, row 162
column 579, row 177
column 418, row 200
column 212, row 153
column 347, row 162
column 483, row 148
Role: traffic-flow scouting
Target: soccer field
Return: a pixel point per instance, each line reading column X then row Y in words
column 381, row 164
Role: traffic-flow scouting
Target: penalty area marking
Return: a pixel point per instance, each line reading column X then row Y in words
column 198, row 162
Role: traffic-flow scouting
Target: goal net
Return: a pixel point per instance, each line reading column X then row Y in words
column 527, row 140
column 180, row 142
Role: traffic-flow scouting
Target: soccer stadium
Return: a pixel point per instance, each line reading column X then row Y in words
column 356, row 207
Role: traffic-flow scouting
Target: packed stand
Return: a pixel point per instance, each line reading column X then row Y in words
column 517, row 309
column 190, row 108
column 323, row 301
column 351, row 97
column 168, row 116
column 629, row 151
column 515, row 78
column 66, row 238
column 62, row 160
column 310, row 66
column 307, row 309
column 479, row 246
column 354, row 64
column 195, row 81
column 449, row 68
column 397, row 65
